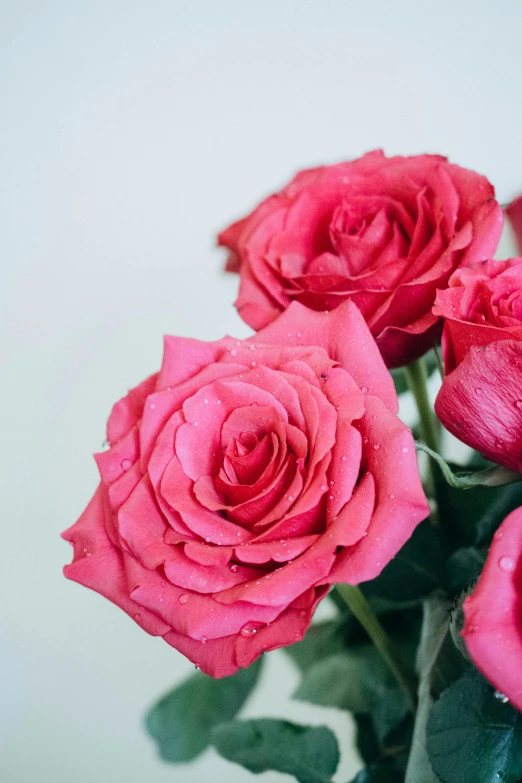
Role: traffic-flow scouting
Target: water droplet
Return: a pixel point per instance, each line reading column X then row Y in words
column 196, row 424
column 233, row 568
column 208, row 539
column 507, row 563
column 253, row 364
column 377, row 446
column 196, row 665
column 404, row 449
column 126, row 464
column 290, row 498
column 183, row 598
column 501, row 697
column 478, row 391
column 204, row 640
column 518, row 403
column 163, row 584
column 152, row 405
column 299, row 334
column 302, row 613
column 137, row 616
column 233, row 352
column 324, row 487
column 218, row 402
column 161, row 599
column 343, row 459
column 364, row 389
column 252, row 347
column 391, row 496
column 248, row 631
column 206, row 402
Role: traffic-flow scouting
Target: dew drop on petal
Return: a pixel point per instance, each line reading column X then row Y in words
column 248, row 631
column 518, row 403
column 343, row 459
column 507, row 563
column 137, row 616
column 404, row 449
column 498, row 535
column 233, row 568
column 126, row 464
column 377, row 446
column 204, row 640
column 152, row 405
column 205, row 401
column 364, row 389
column 501, row 697
column 196, row 665
column 233, row 352
column 183, row 598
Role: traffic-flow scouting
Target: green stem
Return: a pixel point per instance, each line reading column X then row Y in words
column 361, row 609
column 417, row 377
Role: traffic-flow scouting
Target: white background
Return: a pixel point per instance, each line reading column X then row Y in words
column 130, row 132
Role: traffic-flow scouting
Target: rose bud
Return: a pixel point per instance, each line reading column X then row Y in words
column 514, row 215
column 382, row 232
column 480, row 402
column 493, row 629
column 481, row 305
column 243, row 480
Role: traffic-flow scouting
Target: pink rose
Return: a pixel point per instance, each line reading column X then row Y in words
column 482, row 304
column 243, row 480
column 383, row 232
column 514, row 214
column 493, row 629
column 480, row 402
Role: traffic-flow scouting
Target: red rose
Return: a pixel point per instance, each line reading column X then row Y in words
column 493, row 629
column 243, row 480
column 481, row 402
column 383, row 232
column 514, row 213
column 482, row 304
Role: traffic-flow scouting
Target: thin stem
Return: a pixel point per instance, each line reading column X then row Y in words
column 417, row 378
column 361, row 609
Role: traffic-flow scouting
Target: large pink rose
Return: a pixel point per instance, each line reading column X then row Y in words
column 493, row 628
column 480, row 402
column 243, row 480
column 383, row 232
column 481, row 305
column 514, row 213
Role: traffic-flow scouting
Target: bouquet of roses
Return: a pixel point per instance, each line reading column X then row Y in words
column 248, row 480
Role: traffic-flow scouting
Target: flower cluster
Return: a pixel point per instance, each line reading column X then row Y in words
column 247, row 477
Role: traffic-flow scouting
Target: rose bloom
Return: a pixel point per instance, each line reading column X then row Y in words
column 383, row 232
column 493, row 628
column 243, row 480
column 480, row 402
column 482, row 304
column 514, row 214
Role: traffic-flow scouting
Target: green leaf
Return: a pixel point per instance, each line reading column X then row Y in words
column 434, row 633
column 463, row 568
column 182, row 721
column 415, row 572
column 310, row 753
column 357, row 680
column 495, row 476
column 320, row 640
column 472, row 736
column 388, row 771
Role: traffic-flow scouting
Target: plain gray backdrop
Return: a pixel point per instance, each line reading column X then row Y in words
column 130, row 132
